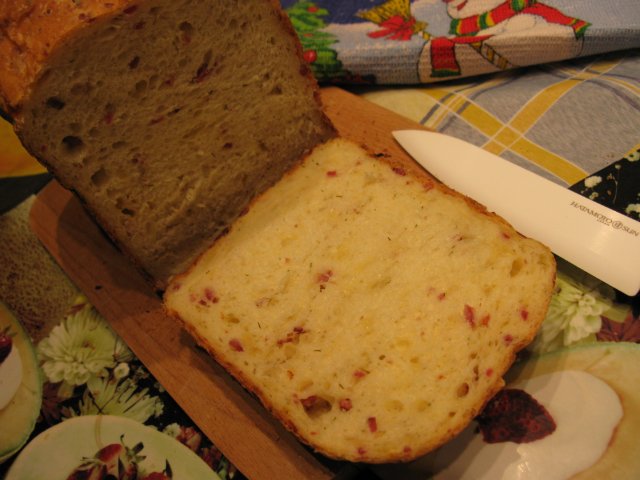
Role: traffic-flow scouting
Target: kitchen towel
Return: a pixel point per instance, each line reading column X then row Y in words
column 423, row 41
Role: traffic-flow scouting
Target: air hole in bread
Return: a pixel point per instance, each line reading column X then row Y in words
column 276, row 90
column 394, row 406
column 117, row 145
column 487, row 289
column 230, row 318
column 80, row 88
column 186, row 28
column 153, row 81
column 516, row 266
column 193, row 132
column 111, row 31
column 100, row 177
column 72, row 144
column 139, row 88
column 315, row 406
column 55, row 103
column 463, row 390
column 135, row 61
column 204, row 70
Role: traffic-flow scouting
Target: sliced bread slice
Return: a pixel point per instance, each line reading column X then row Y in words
column 372, row 310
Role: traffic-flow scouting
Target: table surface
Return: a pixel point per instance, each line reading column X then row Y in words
column 549, row 119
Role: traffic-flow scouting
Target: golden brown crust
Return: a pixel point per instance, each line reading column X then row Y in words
column 30, row 30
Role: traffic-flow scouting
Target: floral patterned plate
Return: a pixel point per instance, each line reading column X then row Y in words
column 97, row 446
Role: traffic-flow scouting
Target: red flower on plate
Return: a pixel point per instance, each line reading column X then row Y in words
column 513, row 415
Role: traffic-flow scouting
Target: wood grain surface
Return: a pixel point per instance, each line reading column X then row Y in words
column 233, row 419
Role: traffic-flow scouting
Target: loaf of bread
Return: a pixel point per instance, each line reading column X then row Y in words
column 166, row 117
column 372, row 310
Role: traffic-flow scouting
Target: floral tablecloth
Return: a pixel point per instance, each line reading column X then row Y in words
column 576, row 122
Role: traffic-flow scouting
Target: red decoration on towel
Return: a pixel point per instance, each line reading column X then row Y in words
column 396, row 28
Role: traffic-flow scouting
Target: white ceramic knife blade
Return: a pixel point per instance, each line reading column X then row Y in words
column 596, row 239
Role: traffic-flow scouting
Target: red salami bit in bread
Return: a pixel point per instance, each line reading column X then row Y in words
column 372, row 424
column 235, row 344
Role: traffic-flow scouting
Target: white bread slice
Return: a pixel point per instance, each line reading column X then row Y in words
column 372, row 310
column 166, row 117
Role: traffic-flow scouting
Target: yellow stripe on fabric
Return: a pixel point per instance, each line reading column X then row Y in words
column 15, row 161
column 473, row 114
column 604, row 65
column 482, row 120
column 540, row 104
column 503, row 136
column 527, row 116
column 451, row 105
column 551, row 162
column 451, row 99
column 507, row 136
column 624, row 84
column 494, row 147
column 597, row 70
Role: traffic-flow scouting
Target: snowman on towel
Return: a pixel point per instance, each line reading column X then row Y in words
column 492, row 35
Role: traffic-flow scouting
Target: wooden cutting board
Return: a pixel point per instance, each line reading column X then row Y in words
column 233, row 419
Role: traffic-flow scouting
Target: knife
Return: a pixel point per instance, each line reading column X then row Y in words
column 600, row 241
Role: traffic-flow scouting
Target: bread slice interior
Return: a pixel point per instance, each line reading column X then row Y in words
column 372, row 310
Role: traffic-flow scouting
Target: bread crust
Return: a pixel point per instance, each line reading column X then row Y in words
column 31, row 30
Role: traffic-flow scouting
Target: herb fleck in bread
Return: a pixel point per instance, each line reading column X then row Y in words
column 372, row 310
column 166, row 117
